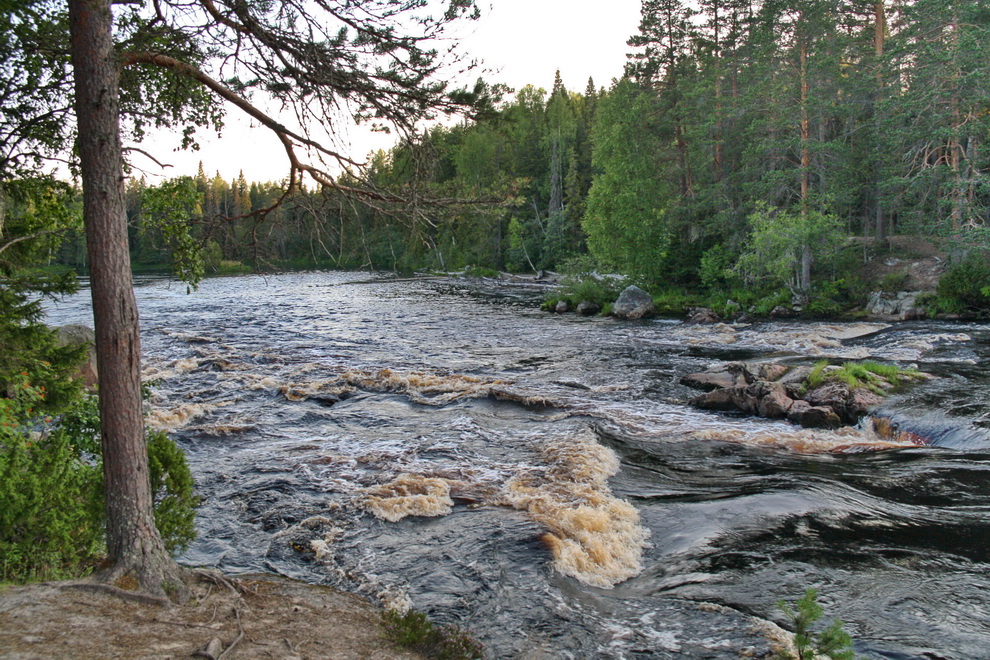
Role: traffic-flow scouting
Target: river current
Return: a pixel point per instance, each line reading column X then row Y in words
column 539, row 479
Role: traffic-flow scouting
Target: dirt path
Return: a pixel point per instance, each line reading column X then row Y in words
column 267, row 617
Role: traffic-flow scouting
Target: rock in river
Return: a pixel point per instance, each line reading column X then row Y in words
column 633, row 303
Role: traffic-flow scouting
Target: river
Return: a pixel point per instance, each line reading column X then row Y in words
column 539, row 479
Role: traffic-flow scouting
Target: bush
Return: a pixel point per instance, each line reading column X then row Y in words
column 673, row 302
column 587, row 287
column 51, row 513
column 173, row 491
column 414, row 630
column 964, row 286
column 832, row 642
column 51, row 503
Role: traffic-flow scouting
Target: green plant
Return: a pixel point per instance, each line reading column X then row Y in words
column 832, row 642
column 175, row 498
column 673, row 301
column 478, row 271
column 51, row 505
column 51, row 501
column 894, row 282
column 964, row 286
column 414, row 630
column 868, row 374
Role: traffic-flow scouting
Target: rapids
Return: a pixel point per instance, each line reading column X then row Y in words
column 539, row 480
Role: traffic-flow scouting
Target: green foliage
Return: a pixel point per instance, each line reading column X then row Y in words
column 784, row 245
column 673, row 302
column 591, row 288
column 479, row 271
column 965, row 285
column 776, row 298
column 832, row 642
column 413, row 630
column 173, row 492
column 868, row 374
column 716, row 268
column 625, row 220
column 51, row 502
column 51, row 506
column 170, row 209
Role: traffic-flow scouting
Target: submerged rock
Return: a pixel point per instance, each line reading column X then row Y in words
column 633, row 303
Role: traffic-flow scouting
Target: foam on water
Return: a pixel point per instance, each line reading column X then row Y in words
column 594, row 536
column 409, row 495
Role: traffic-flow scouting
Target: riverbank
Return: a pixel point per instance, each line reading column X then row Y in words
column 252, row 616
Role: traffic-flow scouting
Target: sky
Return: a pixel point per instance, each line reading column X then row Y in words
column 519, row 42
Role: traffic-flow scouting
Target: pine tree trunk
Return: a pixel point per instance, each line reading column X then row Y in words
column 135, row 548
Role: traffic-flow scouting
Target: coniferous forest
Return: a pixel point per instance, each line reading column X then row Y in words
column 760, row 145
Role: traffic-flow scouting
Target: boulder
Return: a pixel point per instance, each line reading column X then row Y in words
column 633, row 303
column 587, row 308
column 813, row 417
column 562, row 306
column 849, row 404
column 709, row 380
column 702, row 316
column 74, row 335
column 725, row 399
column 771, row 371
column 771, row 399
column 903, row 304
column 781, row 312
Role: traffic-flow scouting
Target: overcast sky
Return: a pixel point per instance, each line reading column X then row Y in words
column 521, row 41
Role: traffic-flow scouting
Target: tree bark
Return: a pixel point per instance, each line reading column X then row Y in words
column 134, row 545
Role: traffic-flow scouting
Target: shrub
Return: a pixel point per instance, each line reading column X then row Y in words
column 51, row 505
column 832, row 642
column 964, row 286
column 673, row 302
column 414, row 630
column 175, row 498
column 51, row 514
column 588, row 287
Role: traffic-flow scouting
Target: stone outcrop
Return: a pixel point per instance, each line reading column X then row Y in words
column 778, row 391
column 633, row 303
column 902, row 305
column 74, row 335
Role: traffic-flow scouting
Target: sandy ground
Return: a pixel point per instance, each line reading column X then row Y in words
column 263, row 617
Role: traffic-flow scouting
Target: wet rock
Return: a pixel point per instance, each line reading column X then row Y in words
column 709, row 380
column 587, row 308
column 633, row 303
column 75, row 335
column 772, row 400
column 776, row 391
column 772, row 371
column 850, row 404
column 723, row 400
column 702, row 316
column 781, row 312
column 813, row 417
column 562, row 306
column 795, row 375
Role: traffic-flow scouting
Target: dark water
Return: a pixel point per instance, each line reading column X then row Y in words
column 308, row 405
